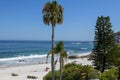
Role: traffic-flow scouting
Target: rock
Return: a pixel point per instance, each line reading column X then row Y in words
column 73, row 57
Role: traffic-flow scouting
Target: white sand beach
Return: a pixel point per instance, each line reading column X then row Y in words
column 34, row 70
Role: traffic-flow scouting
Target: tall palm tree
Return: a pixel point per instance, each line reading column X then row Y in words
column 52, row 14
column 59, row 49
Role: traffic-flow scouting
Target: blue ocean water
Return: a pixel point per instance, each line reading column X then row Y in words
column 11, row 51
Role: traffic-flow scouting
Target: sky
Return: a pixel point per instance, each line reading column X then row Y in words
column 22, row 19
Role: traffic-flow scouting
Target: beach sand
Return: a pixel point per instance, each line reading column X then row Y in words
column 34, row 70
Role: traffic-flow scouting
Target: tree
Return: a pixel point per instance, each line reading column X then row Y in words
column 63, row 54
column 52, row 14
column 114, row 58
column 103, row 42
column 59, row 49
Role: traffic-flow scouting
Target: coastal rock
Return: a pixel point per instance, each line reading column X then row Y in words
column 73, row 57
column 21, row 60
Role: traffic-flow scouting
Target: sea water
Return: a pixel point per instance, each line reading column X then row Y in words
column 31, row 52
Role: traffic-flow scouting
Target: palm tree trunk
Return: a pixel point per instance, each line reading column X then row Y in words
column 52, row 57
column 60, row 68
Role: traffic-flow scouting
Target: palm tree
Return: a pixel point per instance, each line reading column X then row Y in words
column 52, row 14
column 59, row 49
column 63, row 54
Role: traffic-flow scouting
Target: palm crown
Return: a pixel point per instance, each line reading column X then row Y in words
column 52, row 13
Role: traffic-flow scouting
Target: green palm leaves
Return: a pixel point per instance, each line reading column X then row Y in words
column 52, row 13
column 59, row 49
column 85, row 71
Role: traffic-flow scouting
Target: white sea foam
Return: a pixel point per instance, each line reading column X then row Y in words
column 76, row 43
column 90, row 43
column 83, row 48
column 37, row 56
column 84, row 54
column 23, row 57
column 70, row 52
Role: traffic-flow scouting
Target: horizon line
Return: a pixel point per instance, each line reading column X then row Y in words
column 49, row 40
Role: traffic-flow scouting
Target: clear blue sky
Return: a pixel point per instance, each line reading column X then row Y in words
column 22, row 19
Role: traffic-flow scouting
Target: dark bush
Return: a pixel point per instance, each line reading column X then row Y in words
column 110, row 74
column 74, row 71
column 49, row 76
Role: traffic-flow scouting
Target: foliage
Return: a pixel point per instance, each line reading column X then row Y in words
column 113, row 57
column 59, row 49
column 69, row 65
column 74, row 71
column 110, row 74
column 103, row 42
column 52, row 13
column 49, row 76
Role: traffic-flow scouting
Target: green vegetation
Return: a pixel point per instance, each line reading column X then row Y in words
column 74, row 71
column 106, row 57
column 52, row 14
column 114, row 58
column 59, row 49
column 103, row 42
column 106, row 53
column 110, row 74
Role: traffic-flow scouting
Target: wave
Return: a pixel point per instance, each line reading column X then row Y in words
column 23, row 57
column 83, row 48
column 90, row 43
column 76, row 43
column 81, row 54
column 84, row 54
column 70, row 52
column 39, row 56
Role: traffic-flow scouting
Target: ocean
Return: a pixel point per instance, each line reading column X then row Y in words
column 32, row 52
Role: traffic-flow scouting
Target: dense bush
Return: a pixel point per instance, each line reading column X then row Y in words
column 69, row 65
column 74, row 71
column 49, row 76
column 110, row 74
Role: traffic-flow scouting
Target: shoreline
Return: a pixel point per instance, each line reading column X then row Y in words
column 37, row 70
column 37, row 59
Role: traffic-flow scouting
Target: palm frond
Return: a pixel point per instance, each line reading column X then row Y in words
column 46, row 19
column 46, row 8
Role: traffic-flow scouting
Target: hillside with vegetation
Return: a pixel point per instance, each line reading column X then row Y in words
column 117, row 33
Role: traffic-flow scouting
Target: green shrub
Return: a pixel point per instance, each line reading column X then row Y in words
column 49, row 76
column 69, row 65
column 110, row 74
column 94, row 74
column 74, row 71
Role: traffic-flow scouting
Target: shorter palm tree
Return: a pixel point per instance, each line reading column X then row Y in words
column 59, row 50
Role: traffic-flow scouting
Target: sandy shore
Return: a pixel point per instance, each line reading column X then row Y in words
column 34, row 70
